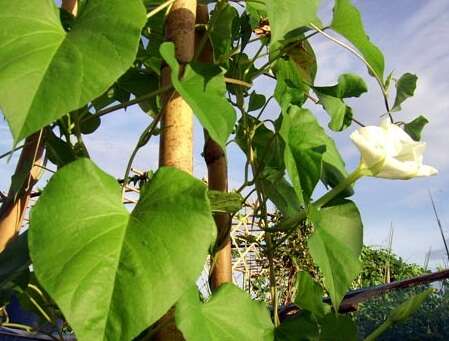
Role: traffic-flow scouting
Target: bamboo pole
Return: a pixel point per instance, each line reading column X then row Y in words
column 12, row 211
column 176, row 144
column 177, row 120
column 217, row 170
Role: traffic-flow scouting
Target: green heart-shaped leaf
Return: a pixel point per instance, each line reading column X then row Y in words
column 405, row 88
column 229, row 315
column 112, row 273
column 336, row 245
column 46, row 72
column 203, row 88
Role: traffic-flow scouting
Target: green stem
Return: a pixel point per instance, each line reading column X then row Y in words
column 132, row 102
column 370, row 67
column 143, row 140
column 353, row 177
column 160, row 8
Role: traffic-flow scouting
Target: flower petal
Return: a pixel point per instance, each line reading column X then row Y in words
column 370, row 154
column 425, row 170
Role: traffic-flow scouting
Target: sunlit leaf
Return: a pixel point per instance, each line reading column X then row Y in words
column 113, row 273
column 335, row 246
column 46, row 72
column 288, row 15
column 203, row 88
column 228, row 315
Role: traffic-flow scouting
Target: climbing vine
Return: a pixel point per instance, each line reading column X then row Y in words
column 114, row 274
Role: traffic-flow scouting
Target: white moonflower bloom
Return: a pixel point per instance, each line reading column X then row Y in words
column 389, row 152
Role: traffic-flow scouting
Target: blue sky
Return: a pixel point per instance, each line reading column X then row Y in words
column 412, row 34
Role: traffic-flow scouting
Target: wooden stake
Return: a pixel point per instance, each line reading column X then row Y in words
column 13, row 209
column 176, row 142
column 70, row 6
column 217, row 170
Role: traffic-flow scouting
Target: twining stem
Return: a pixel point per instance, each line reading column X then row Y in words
column 358, row 55
column 154, row 93
column 263, row 223
column 11, row 151
column 137, row 100
column 143, row 140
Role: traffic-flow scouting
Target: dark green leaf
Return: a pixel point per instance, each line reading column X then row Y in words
column 256, row 12
column 290, row 88
column 14, row 259
column 331, row 98
column 301, row 328
column 89, row 123
column 245, row 30
column 46, row 72
column 256, row 101
column 405, row 88
column 338, row 328
column 113, row 273
column 113, row 94
column 305, row 60
column 309, row 295
column 203, row 88
column 288, row 15
column 348, row 22
column 267, row 145
column 335, row 246
column 229, row 315
column 415, row 127
column 280, row 192
column 240, row 67
column 220, row 31
column 58, row 151
column 139, row 84
column 348, row 85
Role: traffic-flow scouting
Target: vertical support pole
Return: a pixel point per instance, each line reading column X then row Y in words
column 217, row 170
column 13, row 208
column 176, row 144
